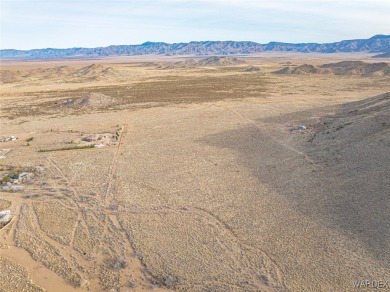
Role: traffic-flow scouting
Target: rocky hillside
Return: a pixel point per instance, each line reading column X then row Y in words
column 65, row 73
column 382, row 55
column 377, row 43
column 193, row 63
column 341, row 68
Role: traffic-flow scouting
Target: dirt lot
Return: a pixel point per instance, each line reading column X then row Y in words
column 214, row 178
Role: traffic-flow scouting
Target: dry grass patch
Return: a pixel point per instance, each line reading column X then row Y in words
column 14, row 277
column 193, row 251
column 56, row 220
column 4, row 204
column 28, row 237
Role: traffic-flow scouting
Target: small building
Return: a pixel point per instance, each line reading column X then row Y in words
column 7, row 139
column 23, row 176
column 16, row 188
column 5, row 212
column 5, row 217
column 20, row 177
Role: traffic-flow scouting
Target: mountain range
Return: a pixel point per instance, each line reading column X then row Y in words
column 375, row 44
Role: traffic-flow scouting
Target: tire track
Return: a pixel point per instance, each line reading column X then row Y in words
column 75, row 193
column 108, row 196
column 224, row 229
column 288, row 147
column 135, row 263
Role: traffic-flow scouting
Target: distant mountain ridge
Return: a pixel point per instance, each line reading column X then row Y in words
column 377, row 43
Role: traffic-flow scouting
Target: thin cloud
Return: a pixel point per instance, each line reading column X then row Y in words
column 34, row 24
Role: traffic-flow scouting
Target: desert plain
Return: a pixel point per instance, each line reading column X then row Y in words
column 267, row 172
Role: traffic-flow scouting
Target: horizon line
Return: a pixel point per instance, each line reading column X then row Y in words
column 204, row 41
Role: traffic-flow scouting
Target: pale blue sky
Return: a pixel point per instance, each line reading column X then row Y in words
column 27, row 24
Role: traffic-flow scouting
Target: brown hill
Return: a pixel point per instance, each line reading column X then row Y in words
column 383, row 55
column 219, row 61
column 283, row 71
column 188, row 63
column 91, row 72
column 56, row 72
column 305, row 69
column 252, row 69
column 356, row 121
column 110, row 72
column 359, row 68
column 150, row 64
column 193, row 63
column 302, row 69
column 341, row 68
column 353, row 147
column 47, row 73
column 8, row 76
column 96, row 72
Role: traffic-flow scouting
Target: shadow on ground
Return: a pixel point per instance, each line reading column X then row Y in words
column 339, row 175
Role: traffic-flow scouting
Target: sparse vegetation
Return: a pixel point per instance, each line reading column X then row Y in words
column 4, row 204
column 119, row 263
column 190, row 197
column 14, row 277
column 67, row 148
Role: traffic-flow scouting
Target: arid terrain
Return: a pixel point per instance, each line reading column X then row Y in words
column 268, row 172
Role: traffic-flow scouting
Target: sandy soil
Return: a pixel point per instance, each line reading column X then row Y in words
column 211, row 184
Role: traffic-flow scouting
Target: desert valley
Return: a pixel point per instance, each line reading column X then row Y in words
column 262, row 172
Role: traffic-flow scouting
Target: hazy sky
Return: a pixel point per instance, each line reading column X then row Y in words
column 27, row 24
